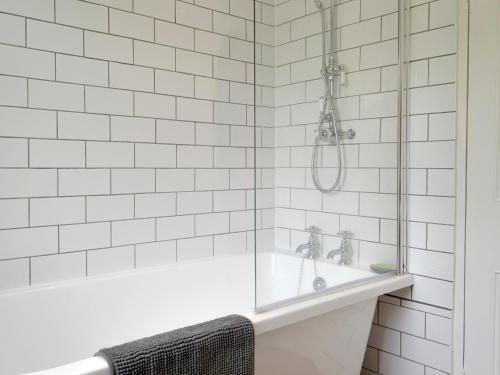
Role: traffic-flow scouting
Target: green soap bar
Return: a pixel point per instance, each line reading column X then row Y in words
column 381, row 267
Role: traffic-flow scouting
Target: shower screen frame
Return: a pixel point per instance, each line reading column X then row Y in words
column 404, row 51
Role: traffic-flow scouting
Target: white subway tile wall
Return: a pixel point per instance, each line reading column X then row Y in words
column 420, row 318
column 366, row 203
column 126, row 133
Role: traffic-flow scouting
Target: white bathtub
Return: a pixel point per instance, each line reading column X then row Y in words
column 65, row 324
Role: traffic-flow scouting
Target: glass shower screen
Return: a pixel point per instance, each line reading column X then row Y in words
column 327, row 81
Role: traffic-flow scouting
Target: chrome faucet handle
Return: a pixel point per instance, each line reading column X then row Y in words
column 344, row 250
column 345, row 234
column 313, row 229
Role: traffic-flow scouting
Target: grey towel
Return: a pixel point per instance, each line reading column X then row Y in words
column 223, row 346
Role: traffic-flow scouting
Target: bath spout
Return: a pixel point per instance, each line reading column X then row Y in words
column 343, row 250
column 302, row 247
column 313, row 244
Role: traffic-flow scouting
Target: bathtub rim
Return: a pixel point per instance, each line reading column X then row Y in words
column 273, row 319
column 348, row 285
column 265, row 317
column 314, row 305
column 135, row 272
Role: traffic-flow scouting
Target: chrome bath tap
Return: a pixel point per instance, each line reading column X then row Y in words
column 343, row 250
column 313, row 245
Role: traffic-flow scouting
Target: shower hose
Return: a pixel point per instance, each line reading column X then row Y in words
column 327, row 112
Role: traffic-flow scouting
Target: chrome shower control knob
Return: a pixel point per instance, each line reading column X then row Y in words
column 313, row 229
column 325, row 134
column 350, row 134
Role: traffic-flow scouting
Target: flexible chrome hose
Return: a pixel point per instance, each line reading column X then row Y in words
column 328, row 102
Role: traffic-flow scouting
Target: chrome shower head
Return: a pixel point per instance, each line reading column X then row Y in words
column 319, row 4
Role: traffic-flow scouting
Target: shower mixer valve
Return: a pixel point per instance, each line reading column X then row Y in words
column 327, row 133
column 337, row 70
column 333, row 70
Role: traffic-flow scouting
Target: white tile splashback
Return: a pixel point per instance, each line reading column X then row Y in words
column 124, row 123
